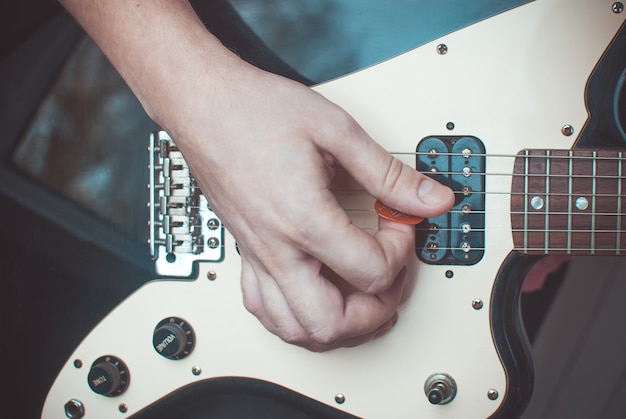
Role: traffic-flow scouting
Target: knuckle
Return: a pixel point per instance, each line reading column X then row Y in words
column 252, row 305
column 392, row 176
column 379, row 282
column 325, row 337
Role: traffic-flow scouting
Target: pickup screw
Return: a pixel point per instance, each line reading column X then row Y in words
column 618, row 7
column 567, row 130
column 477, row 304
column 442, row 49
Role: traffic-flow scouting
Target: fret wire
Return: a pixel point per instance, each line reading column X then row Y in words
column 526, row 201
column 594, row 169
column 569, row 203
column 546, row 222
column 618, row 236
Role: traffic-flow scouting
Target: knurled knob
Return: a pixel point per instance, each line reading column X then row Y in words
column 173, row 338
column 108, row 376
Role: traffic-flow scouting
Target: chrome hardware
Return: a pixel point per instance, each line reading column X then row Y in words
column 183, row 228
column 617, row 7
column 567, row 130
column 340, row 398
column 74, row 409
column 493, row 394
column 477, row 304
column 440, row 389
column 442, row 49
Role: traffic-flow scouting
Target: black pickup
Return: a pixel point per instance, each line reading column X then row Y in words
column 458, row 237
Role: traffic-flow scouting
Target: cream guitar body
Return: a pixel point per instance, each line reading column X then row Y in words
column 513, row 82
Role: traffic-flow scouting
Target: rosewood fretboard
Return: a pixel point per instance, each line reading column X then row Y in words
column 569, row 202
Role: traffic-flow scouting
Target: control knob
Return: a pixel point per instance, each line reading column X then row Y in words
column 173, row 338
column 108, row 376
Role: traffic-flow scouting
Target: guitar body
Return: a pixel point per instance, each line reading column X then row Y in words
column 512, row 81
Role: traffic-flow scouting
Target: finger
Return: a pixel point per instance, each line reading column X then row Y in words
column 329, row 318
column 369, row 263
column 264, row 299
column 385, row 177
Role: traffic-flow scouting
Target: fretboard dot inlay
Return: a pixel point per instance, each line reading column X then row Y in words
column 582, row 203
column 536, row 202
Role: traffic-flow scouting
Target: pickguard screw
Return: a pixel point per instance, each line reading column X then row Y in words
column 477, row 304
column 123, row 408
column 567, row 130
column 618, row 7
column 450, row 126
column 196, row 370
column 213, row 224
column 78, row 363
column 492, row 394
column 211, row 275
column 442, row 49
column 340, row 398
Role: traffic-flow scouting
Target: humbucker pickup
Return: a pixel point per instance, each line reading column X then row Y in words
column 458, row 237
column 183, row 228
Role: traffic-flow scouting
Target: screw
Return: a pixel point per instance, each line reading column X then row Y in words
column 450, row 126
column 567, row 130
column 340, row 398
column 211, row 275
column 213, row 242
column 492, row 394
column 196, row 370
column 123, row 408
column 477, row 304
column 618, row 7
column 442, row 49
column 78, row 363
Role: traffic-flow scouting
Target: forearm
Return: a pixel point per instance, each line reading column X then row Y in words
column 161, row 49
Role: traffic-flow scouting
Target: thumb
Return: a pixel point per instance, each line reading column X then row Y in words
column 390, row 180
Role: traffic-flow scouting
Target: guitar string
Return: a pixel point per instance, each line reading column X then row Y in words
column 574, row 156
column 347, row 192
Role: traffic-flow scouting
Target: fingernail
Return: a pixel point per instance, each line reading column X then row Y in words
column 431, row 192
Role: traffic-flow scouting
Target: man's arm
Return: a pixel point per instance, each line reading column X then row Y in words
column 264, row 149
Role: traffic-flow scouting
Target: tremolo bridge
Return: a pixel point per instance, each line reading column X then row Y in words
column 183, row 228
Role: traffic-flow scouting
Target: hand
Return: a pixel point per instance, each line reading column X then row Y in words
column 265, row 156
column 264, row 150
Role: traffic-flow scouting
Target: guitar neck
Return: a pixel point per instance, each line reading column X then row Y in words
column 569, row 202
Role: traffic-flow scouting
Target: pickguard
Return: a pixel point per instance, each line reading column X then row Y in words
column 504, row 80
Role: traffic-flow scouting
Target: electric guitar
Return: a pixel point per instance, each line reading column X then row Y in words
column 522, row 114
